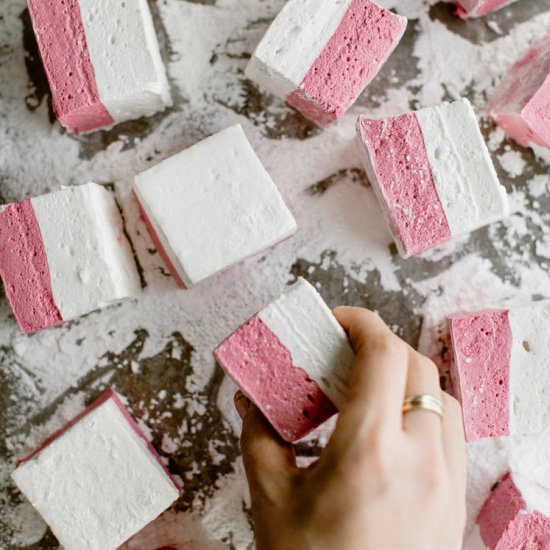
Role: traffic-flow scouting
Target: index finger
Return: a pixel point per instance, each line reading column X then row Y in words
column 379, row 375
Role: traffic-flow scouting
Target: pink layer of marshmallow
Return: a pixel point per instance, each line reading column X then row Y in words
column 521, row 103
column 404, row 181
column 108, row 394
column 469, row 8
column 260, row 364
column 158, row 245
column 62, row 42
column 24, row 269
column 365, row 38
column 505, row 524
column 481, row 351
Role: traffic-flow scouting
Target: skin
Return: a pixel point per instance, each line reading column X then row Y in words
column 385, row 481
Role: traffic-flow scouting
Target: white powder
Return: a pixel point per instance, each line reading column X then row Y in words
column 512, row 162
column 341, row 233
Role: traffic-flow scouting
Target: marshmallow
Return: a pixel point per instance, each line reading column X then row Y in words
column 319, row 56
column 102, row 60
column 292, row 359
column 211, row 206
column 432, row 174
column 97, row 481
column 63, row 255
column 477, row 8
column 521, row 103
column 500, row 369
column 507, row 522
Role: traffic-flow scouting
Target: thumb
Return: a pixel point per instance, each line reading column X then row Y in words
column 269, row 461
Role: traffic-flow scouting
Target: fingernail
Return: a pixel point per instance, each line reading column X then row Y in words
column 242, row 403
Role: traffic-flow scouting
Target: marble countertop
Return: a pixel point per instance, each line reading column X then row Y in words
column 156, row 350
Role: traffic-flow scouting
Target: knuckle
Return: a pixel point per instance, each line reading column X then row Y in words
column 386, row 343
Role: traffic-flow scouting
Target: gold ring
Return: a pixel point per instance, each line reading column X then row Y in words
column 424, row 402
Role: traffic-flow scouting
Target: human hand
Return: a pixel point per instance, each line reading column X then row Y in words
column 385, row 481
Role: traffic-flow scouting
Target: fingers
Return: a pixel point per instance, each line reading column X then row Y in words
column 422, row 379
column 454, row 450
column 454, row 444
column 268, row 460
column 379, row 374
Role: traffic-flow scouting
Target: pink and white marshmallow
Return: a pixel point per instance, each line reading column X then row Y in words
column 319, row 56
column 102, row 60
column 97, row 481
column 509, row 519
column 211, row 206
column 432, row 174
column 521, row 103
column 478, row 8
column 293, row 360
column 63, row 255
column 500, row 370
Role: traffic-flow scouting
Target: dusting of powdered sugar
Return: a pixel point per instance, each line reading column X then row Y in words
column 156, row 349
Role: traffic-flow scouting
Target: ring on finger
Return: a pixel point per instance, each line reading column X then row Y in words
column 425, row 403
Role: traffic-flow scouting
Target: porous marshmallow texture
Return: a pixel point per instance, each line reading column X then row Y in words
column 292, row 359
column 97, row 482
column 212, row 206
column 24, row 268
column 102, row 60
column 293, row 42
column 397, row 165
column 319, row 56
column 500, row 369
column 63, row 255
column 506, row 522
column 432, row 174
column 521, row 103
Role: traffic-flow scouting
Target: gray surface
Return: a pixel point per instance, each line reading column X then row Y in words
column 163, row 371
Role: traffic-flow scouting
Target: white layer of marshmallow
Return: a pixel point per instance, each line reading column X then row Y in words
column 293, row 42
column 98, row 483
column 313, row 337
column 529, row 377
column 124, row 50
column 463, row 173
column 213, row 205
column 89, row 258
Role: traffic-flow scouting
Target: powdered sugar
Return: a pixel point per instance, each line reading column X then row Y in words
column 163, row 341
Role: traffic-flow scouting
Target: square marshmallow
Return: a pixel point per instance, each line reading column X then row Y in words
column 293, row 359
column 521, row 103
column 211, row 206
column 102, row 60
column 319, row 56
column 97, row 481
column 500, row 369
column 63, row 255
column 509, row 519
column 477, row 8
column 432, row 174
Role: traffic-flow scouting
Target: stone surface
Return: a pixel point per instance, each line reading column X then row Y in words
column 161, row 361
